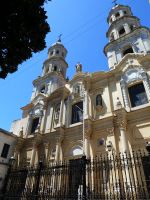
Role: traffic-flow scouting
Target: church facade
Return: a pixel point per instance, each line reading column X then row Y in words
column 94, row 113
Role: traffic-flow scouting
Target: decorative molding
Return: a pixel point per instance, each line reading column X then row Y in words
column 120, row 119
column 110, row 131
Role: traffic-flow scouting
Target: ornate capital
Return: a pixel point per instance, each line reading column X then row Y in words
column 120, row 118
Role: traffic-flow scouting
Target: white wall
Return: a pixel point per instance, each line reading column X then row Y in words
column 5, row 138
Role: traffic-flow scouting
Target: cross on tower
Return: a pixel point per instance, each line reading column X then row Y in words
column 115, row 2
column 59, row 38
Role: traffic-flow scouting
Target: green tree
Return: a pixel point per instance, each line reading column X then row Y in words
column 23, row 28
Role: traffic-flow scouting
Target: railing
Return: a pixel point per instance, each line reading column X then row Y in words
column 126, row 176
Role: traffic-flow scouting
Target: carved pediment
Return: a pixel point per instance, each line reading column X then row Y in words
column 133, row 74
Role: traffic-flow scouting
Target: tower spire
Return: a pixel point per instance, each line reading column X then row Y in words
column 115, row 2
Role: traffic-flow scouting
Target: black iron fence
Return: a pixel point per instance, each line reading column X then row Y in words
column 126, row 176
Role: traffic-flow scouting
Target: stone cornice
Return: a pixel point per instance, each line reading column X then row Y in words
column 79, row 76
column 114, row 24
column 48, row 75
column 59, row 93
column 115, row 42
column 139, row 113
column 101, row 124
column 55, row 58
column 40, row 94
column 125, row 59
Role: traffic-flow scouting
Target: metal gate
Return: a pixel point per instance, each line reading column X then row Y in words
column 126, row 176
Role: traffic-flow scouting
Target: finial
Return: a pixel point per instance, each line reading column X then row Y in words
column 115, row 2
column 59, row 38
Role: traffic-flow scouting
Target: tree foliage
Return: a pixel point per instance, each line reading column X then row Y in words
column 23, row 28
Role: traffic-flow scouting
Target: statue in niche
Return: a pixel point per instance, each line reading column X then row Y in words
column 77, row 89
column 99, row 100
column 118, row 103
column 78, row 67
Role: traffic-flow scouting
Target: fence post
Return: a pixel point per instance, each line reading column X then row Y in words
column 84, row 177
column 38, row 180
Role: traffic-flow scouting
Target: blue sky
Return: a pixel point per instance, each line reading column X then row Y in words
column 83, row 25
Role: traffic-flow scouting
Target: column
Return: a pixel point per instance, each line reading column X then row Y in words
column 121, row 13
column 46, row 151
column 61, row 113
column 125, row 96
column 40, row 120
column 28, row 125
column 58, row 145
column 43, row 121
column 123, row 139
column 127, row 28
column 32, row 161
column 121, row 124
column 49, row 118
column 87, row 146
column 86, row 105
column 17, row 157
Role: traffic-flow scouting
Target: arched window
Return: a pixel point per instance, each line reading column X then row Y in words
column 35, row 123
column 99, row 100
column 42, row 90
column 137, row 95
column 77, row 151
column 132, row 27
column 57, row 52
column 77, row 112
column 117, row 15
column 51, row 53
column 127, row 50
column 122, row 31
column 55, row 68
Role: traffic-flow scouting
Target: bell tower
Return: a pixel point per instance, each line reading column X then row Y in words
column 126, row 35
column 53, row 72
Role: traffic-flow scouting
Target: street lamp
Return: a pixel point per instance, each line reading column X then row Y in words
column 109, row 146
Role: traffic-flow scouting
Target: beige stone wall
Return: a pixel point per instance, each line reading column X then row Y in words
column 124, row 128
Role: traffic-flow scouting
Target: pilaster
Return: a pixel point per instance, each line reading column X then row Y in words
column 120, row 122
column 42, row 125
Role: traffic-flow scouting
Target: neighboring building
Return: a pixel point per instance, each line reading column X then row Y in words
column 116, row 103
column 7, row 144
